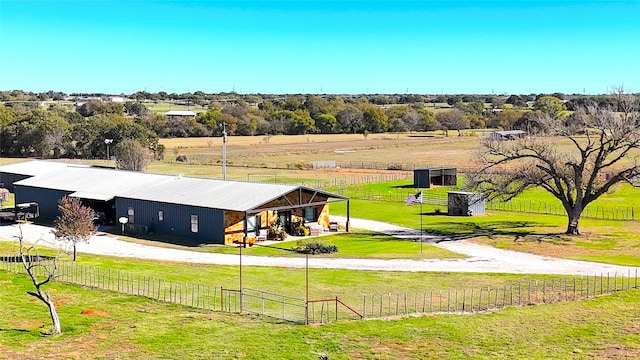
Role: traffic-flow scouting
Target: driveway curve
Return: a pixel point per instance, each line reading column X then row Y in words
column 480, row 258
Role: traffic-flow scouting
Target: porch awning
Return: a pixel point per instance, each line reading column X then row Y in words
column 92, row 196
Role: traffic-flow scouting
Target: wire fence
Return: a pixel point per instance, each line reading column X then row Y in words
column 372, row 306
column 592, row 211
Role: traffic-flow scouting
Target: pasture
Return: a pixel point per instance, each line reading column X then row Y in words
column 104, row 324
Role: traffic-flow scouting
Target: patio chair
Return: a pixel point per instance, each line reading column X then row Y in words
column 262, row 235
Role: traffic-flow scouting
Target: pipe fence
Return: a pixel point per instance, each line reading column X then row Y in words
column 371, row 306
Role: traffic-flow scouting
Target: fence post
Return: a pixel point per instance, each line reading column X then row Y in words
column 464, row 298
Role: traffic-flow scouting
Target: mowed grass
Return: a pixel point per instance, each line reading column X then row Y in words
column 349, row 285
column 358, row 244
column 101, row 324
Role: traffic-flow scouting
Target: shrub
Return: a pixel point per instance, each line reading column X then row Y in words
column 315, row 247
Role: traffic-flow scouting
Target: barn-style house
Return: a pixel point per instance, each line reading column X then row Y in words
column 198, row 210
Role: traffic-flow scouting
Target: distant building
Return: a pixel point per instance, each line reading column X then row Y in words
column 461, row 203
column 507, row 135
column 180, row 114
column 439, row 176
column 116, row 99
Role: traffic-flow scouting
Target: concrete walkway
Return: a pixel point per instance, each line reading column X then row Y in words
column 480, row 258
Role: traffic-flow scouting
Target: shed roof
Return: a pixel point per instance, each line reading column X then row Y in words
column 105, row 184
column 180, row 113
column 509, row 132
column 34, row 167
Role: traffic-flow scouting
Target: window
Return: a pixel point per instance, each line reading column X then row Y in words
column 310, row 214
column 130, row 215
column 194, row 223
column 160, row 215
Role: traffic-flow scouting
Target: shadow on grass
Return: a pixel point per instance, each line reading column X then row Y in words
column 408, row 186
column 520, row 230
column 14, row 330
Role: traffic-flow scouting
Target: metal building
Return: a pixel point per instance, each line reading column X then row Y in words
column 12, row 173
column 440, row 176
column 194, row 209
column 462, row 203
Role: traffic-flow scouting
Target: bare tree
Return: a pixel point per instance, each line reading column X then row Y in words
column 75, row 223
column 600, row 155
column 41, row 271
column 131, row 155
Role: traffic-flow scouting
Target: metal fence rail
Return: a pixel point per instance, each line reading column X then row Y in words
column 216, row 298
column 273, row 305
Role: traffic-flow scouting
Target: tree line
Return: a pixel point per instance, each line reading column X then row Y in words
column 32, row 125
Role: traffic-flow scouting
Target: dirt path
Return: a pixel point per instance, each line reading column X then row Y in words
column 480, row 258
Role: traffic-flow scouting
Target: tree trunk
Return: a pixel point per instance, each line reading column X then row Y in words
column 574, row 218
column 55, row 319
column 74, row 251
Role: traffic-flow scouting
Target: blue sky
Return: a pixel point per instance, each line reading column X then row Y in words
column 336, row 47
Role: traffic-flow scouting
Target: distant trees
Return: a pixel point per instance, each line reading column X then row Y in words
column 351, row 120
column 549, row 105
column 27, row 128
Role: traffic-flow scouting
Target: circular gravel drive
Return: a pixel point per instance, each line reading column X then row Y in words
column 480, row 258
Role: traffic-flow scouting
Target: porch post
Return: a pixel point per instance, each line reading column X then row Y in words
column 348, row 217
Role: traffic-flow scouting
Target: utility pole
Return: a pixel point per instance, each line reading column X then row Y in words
column 108, row 142
column 224, row 151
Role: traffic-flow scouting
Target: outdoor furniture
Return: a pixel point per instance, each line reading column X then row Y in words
column 333, row 226
column 262, row 235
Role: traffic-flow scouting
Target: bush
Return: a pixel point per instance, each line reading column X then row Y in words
column 315, row 247
column 182, row 158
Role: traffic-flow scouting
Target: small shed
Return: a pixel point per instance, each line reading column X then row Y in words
column 507, row 135
column 180, row 114
column 442, row 176
column 462, row 203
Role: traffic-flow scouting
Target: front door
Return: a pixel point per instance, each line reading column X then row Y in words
column 285, row 220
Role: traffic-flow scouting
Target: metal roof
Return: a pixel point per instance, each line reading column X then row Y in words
column 510, row 132
column 103, row 184
column 35, row 167
column 180, row 113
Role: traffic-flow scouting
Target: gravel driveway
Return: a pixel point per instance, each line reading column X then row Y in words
column 480, row 258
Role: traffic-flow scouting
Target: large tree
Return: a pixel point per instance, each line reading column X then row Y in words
column 577, row 159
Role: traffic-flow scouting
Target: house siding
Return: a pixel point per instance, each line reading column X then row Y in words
column 47, row 199
column 7, row 180
column 176, row 220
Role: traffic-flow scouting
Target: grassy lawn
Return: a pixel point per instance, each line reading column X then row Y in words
column 349, row 285
column 101, row 324
column 359, row 244
column 615, row 242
